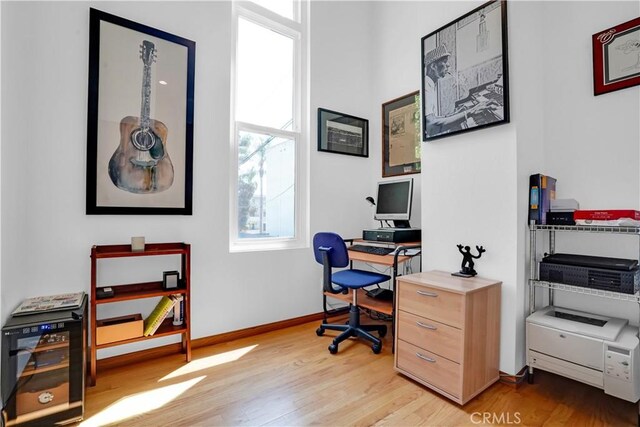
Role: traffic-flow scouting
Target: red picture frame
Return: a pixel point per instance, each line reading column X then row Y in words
column 616, row 57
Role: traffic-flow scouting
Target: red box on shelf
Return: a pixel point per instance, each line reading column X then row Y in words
column 606, row 215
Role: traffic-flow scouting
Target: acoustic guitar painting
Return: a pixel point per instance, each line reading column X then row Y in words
column 141, row 163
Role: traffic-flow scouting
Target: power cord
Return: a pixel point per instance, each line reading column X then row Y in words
column 374, row 315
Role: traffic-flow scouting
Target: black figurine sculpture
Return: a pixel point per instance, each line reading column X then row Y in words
column 467, row 261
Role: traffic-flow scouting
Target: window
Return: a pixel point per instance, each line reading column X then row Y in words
column 285, row 8
column 270, row 116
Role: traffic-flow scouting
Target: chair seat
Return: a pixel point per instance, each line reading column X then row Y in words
column 358, row 278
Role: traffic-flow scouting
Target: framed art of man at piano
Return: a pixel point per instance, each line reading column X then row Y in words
column 464, row 73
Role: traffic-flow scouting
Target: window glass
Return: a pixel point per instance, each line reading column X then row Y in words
column 270, row 137
column 281, row 7
column 266, row 178
column 265, row 79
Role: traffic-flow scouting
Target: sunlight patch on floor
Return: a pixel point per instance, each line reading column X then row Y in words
column 139, row 403
column 209, row 362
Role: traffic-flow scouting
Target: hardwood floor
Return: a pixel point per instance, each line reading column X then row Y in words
column 288, row 378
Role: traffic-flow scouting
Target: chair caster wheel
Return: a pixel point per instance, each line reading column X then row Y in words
column 376, row 348
column 320, row 331
column 333, row 349
column 383, row 332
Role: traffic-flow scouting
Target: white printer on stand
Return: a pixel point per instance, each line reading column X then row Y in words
column 600, row 351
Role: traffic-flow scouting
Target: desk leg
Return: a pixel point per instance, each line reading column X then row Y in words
column 393, row 307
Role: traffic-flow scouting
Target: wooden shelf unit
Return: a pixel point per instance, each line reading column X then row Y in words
column 135, row 291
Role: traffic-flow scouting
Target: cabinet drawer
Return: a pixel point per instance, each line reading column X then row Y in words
column 441, row 306
column 430, row 335
column 431, row 368
column 578, row 349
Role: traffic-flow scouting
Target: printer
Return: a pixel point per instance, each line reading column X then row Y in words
column 600, row 351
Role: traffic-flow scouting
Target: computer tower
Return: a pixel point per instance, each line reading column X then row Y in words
column 393, row 235
column 43, row 367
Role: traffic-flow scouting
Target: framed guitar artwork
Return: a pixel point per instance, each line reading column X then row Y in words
column 140, row 119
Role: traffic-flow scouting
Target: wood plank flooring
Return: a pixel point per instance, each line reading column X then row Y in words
column 288, row 378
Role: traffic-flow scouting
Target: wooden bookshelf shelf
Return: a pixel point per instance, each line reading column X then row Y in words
column 135, row 291
column 138, row 291
column 150, row 249
column 165, row 329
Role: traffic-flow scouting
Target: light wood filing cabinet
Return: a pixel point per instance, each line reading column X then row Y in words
column 448, row 332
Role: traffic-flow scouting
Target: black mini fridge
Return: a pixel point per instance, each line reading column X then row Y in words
column 43, row 367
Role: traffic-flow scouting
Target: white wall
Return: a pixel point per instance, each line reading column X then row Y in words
column 47, row 236
column 526, row 58
column 341, row 81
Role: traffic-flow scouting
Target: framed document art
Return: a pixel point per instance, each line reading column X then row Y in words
column 616, row 57
column 140, row 119
column 465, row 83
column 401, row 135
column 342, row 133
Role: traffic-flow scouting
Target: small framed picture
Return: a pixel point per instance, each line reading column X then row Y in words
column 401, row 135
column 170, row 280
column 616, row 57
column 343, row 134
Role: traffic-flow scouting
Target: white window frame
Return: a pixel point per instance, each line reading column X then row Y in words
column 298, row 31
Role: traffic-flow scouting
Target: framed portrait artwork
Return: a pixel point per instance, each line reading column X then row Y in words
column 342, row 133
column 465, row 81
column 140, row 119
column 616, row 57
column 401, row 135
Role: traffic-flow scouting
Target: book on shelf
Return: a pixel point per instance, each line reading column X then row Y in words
column 542, row 190
column 154, row 320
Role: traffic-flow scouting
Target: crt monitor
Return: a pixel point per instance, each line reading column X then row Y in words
column 394, row 202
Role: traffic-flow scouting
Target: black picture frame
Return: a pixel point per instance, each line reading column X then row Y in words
column 401, row 150
column 465, row 78
column 170, row 280
column 342, row 133
column 140, row 119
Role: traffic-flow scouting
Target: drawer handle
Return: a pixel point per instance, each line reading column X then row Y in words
column 423, row 357
column 427, row 294
column 424, row 325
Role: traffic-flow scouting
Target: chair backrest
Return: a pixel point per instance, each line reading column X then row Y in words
column 338, row 255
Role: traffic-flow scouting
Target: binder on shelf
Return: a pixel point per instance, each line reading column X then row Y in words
column 154, row 320
column 542, row 189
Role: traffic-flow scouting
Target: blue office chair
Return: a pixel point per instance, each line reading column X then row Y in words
column 331, row 251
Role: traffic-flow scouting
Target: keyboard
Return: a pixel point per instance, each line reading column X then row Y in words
column 375, row 250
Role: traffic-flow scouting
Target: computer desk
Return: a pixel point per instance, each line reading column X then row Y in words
column 392, row 261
